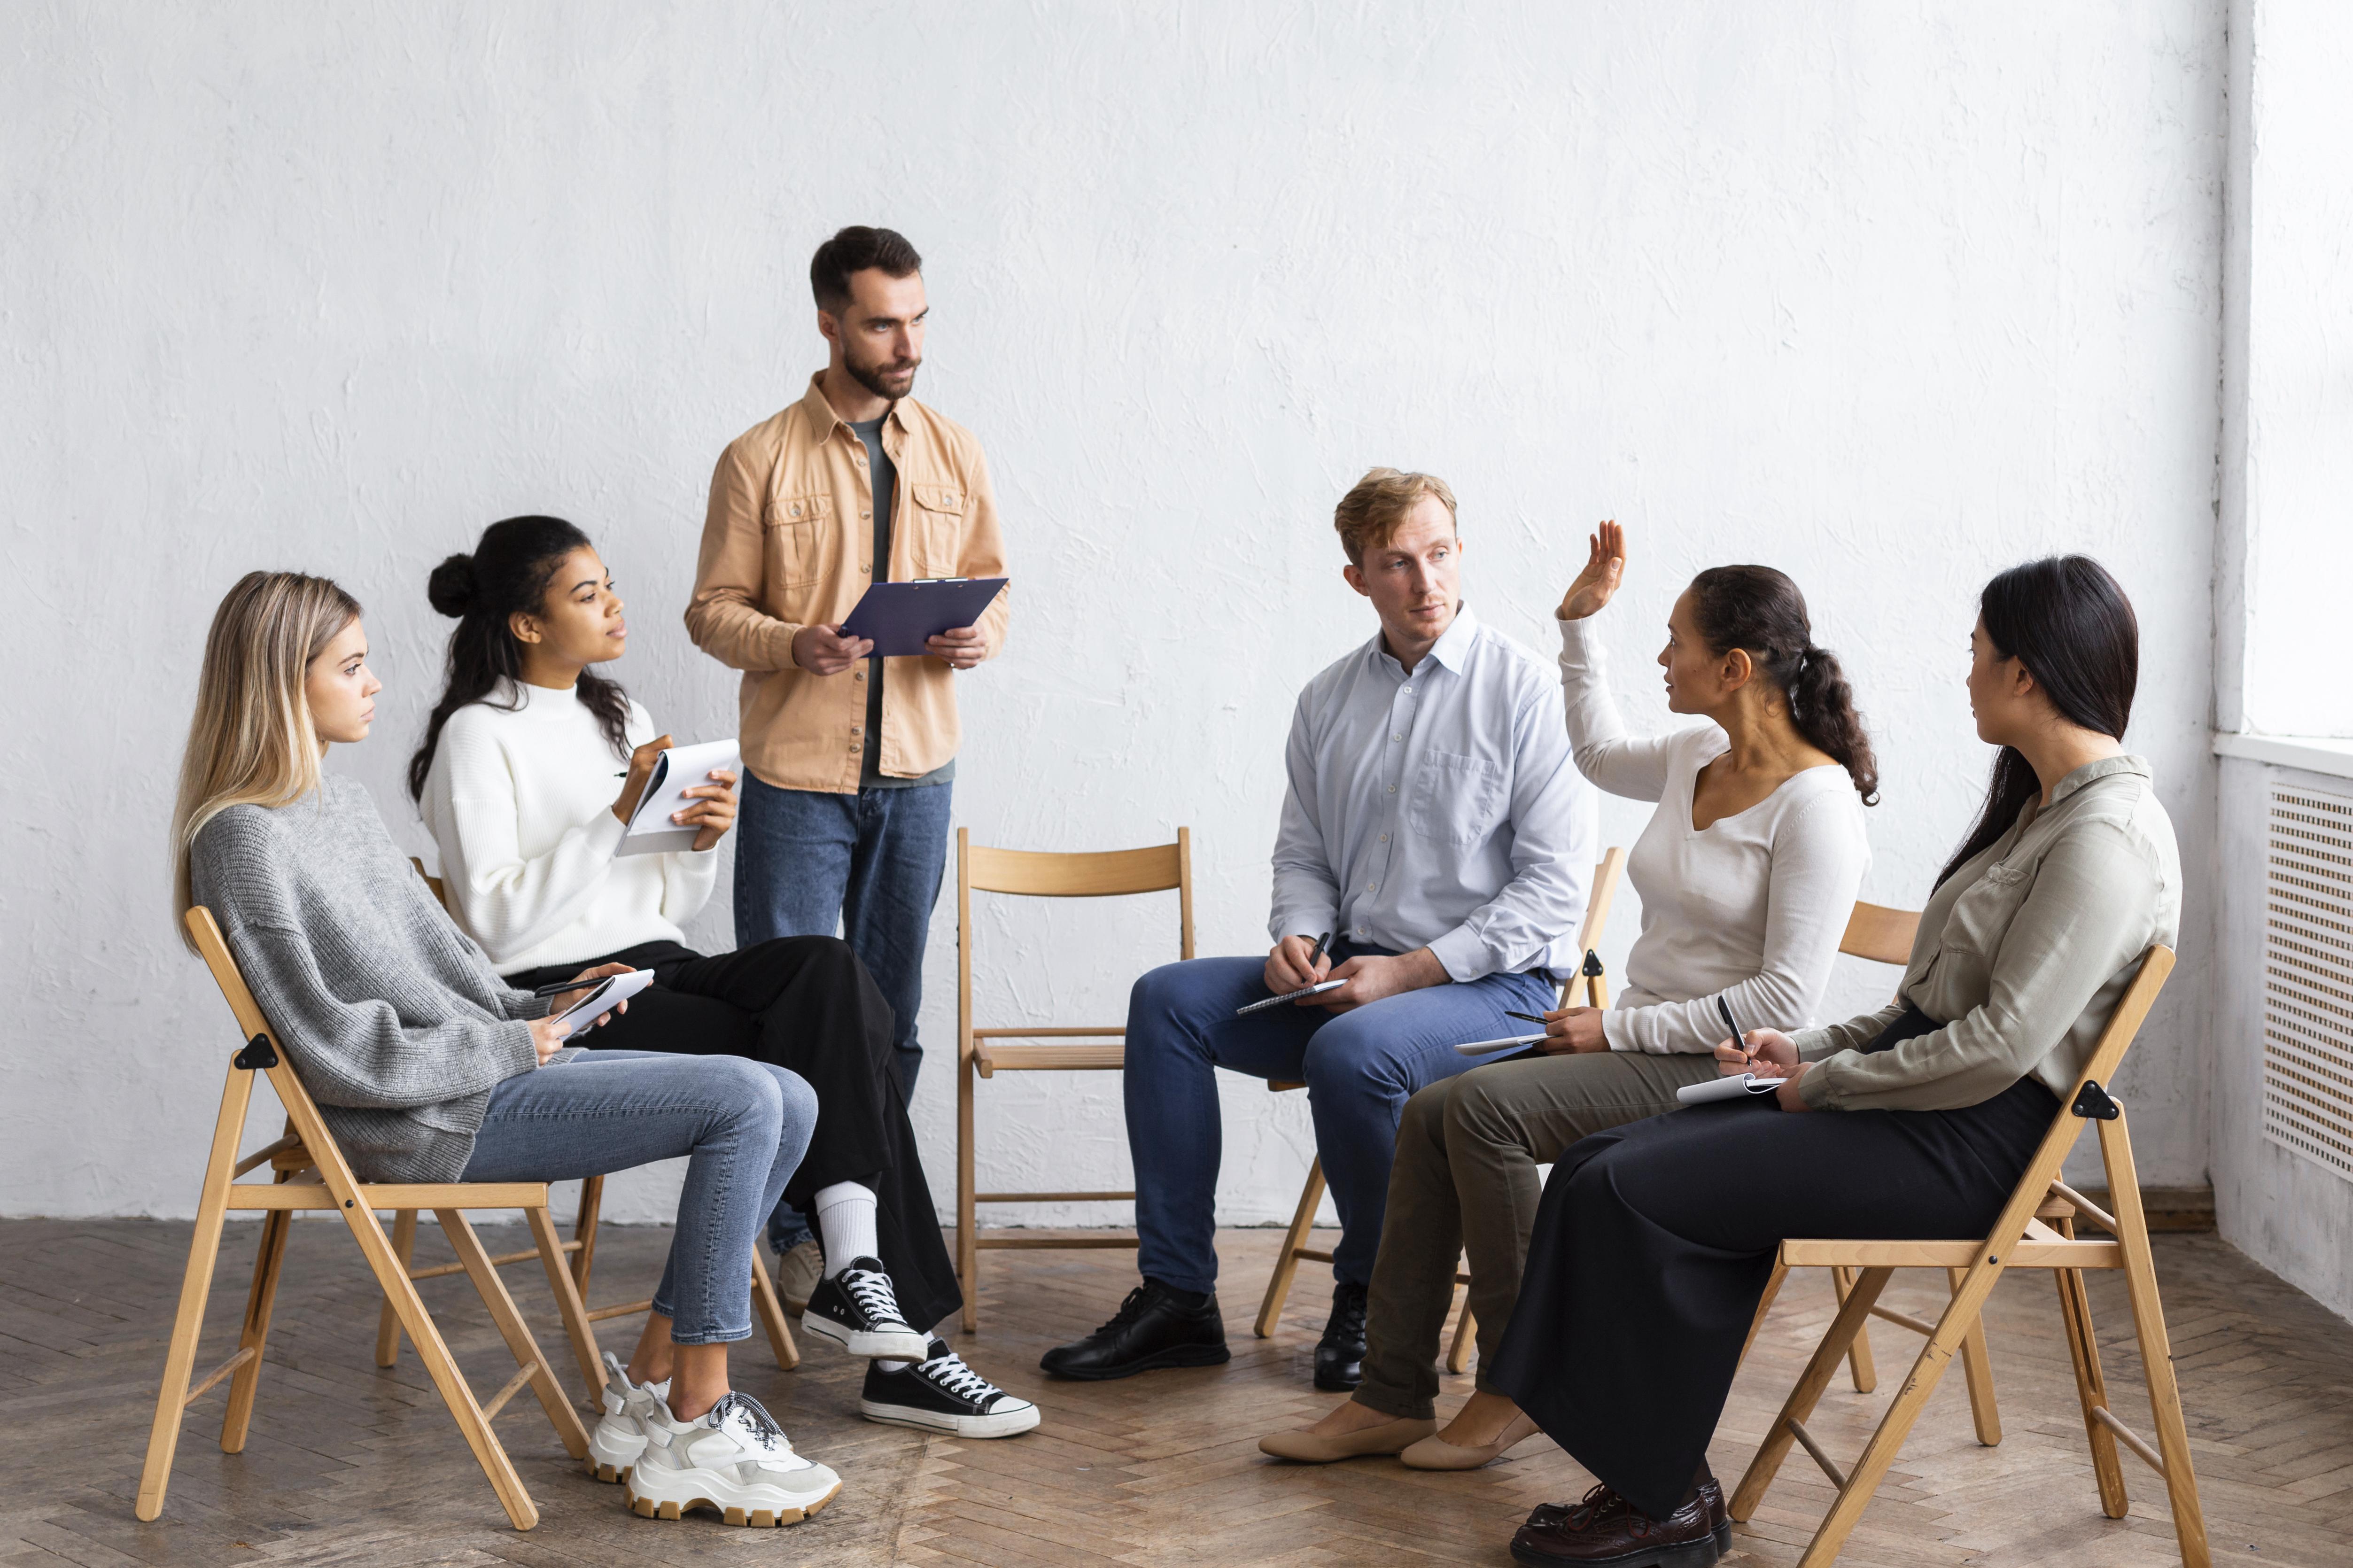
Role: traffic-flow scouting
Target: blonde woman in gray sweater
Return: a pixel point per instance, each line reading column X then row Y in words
column 1654, row 1240
column 427, row 1067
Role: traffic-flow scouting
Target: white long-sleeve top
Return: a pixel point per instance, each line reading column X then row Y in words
column 1438, row 809
column 1750, row 908
column 521, row 804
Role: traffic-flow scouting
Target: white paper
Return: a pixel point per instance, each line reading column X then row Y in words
column 1746, row 1085
column 681, row 768
column 1488, row 1047
column 609, row 994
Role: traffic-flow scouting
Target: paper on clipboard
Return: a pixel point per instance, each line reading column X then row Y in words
column 679, row 769
column 609, row 994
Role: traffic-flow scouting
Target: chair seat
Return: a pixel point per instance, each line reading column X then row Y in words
column 990, row 1058
column 313, row 1195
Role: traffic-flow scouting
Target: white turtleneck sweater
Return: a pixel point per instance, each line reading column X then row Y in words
column 1749, row 908
column 521, row 804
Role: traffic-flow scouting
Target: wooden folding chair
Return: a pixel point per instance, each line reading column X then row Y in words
column 1114, row 873
column 1295, row 1249
column 766, row 1309
column 1884, row 935
column 311, row 1172
column 2021, row 1238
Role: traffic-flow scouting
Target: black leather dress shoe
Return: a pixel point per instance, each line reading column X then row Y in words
column 1340, row 1354
column 1151, row 1328
column 1603, row 1528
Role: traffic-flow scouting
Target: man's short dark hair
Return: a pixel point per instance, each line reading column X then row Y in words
column 855, row 249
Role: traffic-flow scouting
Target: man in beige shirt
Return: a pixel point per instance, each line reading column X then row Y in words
column 848, row 759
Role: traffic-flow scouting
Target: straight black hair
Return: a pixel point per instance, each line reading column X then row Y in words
column 2069, row 622
column 510, row 570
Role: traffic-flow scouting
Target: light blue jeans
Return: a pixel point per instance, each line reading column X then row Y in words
column 1360, row 1068
column 741, row 1124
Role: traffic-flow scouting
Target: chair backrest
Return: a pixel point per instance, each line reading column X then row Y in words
column 1597, row 902
column 1881, row 934
column 441, row 893
column 301, row 1108
column 1046, row 874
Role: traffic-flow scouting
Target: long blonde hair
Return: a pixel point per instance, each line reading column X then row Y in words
column 251, row 742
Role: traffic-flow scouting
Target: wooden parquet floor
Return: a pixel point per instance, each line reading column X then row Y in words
column 348, row 1463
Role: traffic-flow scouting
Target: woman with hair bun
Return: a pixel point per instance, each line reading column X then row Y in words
column 1747, row 872
column 516, row 780
column 1654, row 1241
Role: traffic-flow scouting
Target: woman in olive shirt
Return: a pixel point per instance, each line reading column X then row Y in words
column 1654, row 1241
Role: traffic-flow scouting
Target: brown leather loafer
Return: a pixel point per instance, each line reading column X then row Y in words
column 1603, row 1528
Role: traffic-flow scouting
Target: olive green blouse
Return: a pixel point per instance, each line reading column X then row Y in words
column 2025, row 949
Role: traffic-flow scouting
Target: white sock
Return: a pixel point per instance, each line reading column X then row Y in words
column 845, row 1224
column 893, row 1365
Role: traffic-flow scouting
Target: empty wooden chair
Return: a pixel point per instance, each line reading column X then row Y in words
column 311, row 1172
column 766, row 1309
column 1295, row 1250
column 1112, row 873
column 2018, row 1239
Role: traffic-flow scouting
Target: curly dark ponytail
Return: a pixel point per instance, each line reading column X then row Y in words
column 510, row 571
column 1760, row 612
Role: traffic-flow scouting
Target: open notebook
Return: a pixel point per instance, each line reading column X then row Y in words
column 1746, row 1085
column 679, row 769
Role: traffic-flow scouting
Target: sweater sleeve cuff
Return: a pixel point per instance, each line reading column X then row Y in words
column 1463, row 955
column 1815, row 1088
column 514, row 1046
column 1813, row 1045
column 605, row 832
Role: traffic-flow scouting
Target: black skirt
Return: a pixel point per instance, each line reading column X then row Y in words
column 1654, row 1241
column 805, row 1004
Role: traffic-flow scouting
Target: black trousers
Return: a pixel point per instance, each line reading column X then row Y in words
column 1654, row 1240
column 807, row 1003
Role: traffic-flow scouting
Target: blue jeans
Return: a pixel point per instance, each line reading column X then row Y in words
column 871, row 861
column 1360, row 1068
column 741, row 1124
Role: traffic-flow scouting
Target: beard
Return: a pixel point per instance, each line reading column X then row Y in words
column 892, row 378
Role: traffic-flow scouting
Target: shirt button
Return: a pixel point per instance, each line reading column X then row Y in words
column 864, row 567
column 860, row 675
column 1385, row 838
column 858, row 729
column 1372, row 886
column 1409, row 691
column 868, row 515
column 1395, row 738
column 1393, row 789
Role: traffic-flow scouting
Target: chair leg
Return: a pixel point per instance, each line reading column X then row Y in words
column 267, row 1259
column 967, row 1242
column 584, row 1231
column 2156, row 1347
column 1750, row 1494
column 1764, row 1305
column 2091, row 1385
column 1859, row 1364
column 1294, row 1242
column 569, row 1307
column 512, row 1328
column 387, row 1326
column 1458, row 1352
column 1977, row 1367
column 195, row 1287
column 771, row 1313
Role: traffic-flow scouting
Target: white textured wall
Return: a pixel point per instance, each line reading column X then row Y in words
column 1887, row 296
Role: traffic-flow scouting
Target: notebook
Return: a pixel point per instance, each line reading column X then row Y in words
column 679, row 769
column 1746, row 1085
column 609, row 994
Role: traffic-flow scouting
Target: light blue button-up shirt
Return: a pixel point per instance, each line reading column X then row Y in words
column 1440, row 809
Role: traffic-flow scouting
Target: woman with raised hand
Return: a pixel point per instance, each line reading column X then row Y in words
column 1654, row 1241
column 1747, row 872
column 517, row 779
column 427, row 1066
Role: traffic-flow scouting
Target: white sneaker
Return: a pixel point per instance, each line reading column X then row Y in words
column 620, row 1437
column 797, row 1272
column 734, row 1459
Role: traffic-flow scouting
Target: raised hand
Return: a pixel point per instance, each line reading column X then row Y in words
column 1605, row 569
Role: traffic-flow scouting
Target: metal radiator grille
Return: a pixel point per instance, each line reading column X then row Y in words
column 2308, row 977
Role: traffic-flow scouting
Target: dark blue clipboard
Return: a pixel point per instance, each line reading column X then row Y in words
column 900, row 616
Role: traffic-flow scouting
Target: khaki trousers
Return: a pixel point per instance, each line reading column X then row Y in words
column 1465, row 1181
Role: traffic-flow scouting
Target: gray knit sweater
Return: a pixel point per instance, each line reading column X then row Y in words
column 394, row 1018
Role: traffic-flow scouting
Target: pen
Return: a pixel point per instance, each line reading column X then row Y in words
column 1738, row 1038
column 1531, row 1017
column 1317, row 951
column 557, row 988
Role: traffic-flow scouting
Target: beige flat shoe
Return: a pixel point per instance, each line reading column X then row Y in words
column 1434, row 1453
column 1309, row 1449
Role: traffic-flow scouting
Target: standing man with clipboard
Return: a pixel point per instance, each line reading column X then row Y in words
column 848, row 759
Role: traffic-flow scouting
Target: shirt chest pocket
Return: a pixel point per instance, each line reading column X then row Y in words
column 1981, row 916
column 1456, row 799
column 800, row 539
column 934, row 525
